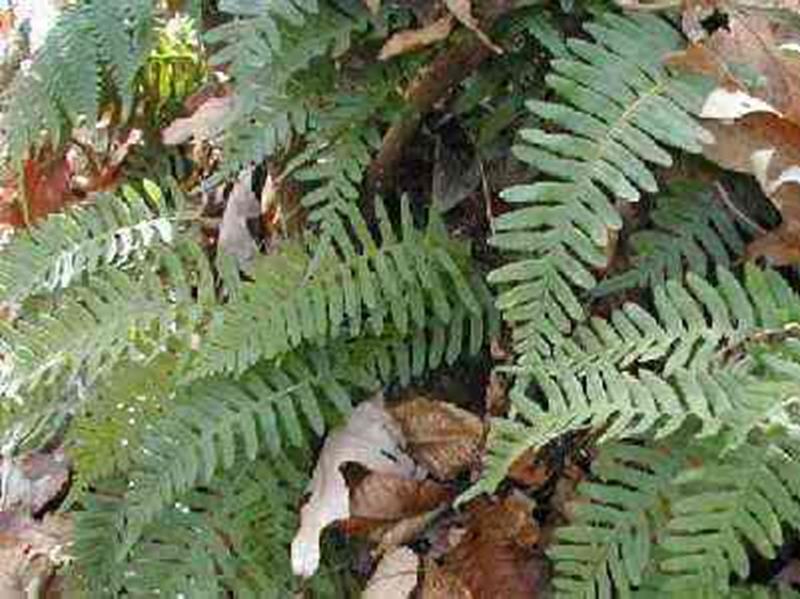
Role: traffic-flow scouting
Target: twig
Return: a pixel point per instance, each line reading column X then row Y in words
column 722, row 193
column 430, row 86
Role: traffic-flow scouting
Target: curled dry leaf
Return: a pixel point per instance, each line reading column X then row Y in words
column 462, row 10
column 395, row 577
column 208, row 121
column 442, row 437
column 234, row 236
column 415, row 39
column 371, row 438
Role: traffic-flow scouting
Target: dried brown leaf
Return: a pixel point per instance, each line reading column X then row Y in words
column 441, row 584
column 208, row 121
column 387, row 497
column 497, row 556
column 462, row 10
column 395, row 577
column 411, row 40
column 371, row 438
column 442, row 437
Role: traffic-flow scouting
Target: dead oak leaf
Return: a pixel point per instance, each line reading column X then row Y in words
column 441, row 437
column 462, row 10
column 371, row 438
column 411, row 40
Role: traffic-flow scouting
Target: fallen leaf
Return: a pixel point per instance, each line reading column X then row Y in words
column 497, row 556
column 729, row 105
column 530, row 470
column 382, row 496
column 373, row 5
column 235, row 238
column 462, row 10
column 441, row 584
column 442, row 437
column 404, row 531
column 496, row 399
column 412, row 40
column 208, row 121
column 371, row 438
column 30, row 553
column 32, row 481
column 395, row 577
column 456, row 173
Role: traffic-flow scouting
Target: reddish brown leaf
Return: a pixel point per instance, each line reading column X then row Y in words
column 386, row 497
column 497, row 556
column 529, row 470
column 442, row 437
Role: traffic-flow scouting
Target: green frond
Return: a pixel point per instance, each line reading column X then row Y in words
column 688, row 234
column 104, row 40
column 402, row 281
column 741, row 501
column 621, row 106
column 267, row 47
column 110, row 231
column 116, row 315
column 607, row 546
column 633, row 374
column 228, row 538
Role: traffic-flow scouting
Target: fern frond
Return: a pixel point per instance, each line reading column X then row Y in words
column 742, row 500
column 56, row 252
column 403, row 281
column 621, row 107
column 114, row 316
column 637, row 374
column 607, row 546
column 102, row 39
column 687, row 234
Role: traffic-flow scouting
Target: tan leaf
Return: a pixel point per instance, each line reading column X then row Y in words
column 462, row 10
column 442, row 437
column 373, row 5
column 208, row 121
column 371, row 438
column 414, row 39
column 387, row 497
column 395, row 577
column 235, row 238
column 32, row 481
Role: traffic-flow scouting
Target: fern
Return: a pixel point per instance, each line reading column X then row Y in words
column 742, row 501
column 214, row 422
column 689, row 233
column 676, row 519
column 622, row 105
column 403, row 281
column 103, row 40
column 635, row 374
column 112, row 230
column 114, row 316
column 271, row 104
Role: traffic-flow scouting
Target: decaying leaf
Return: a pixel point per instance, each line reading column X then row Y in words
column 385, row 497
column 30, row 482
column 442, row 437
column 441, row 584
column 371, row 438
column 30, row 552
column 234, row 236
column 497, row 556
column 207, row 122
column 462, row 10
column 415, row 39
column 395, row 577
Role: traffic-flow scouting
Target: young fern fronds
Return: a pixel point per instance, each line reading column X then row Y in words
column 688, row 234
column 404, row 281
column 65, row 246
column 621, row 106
